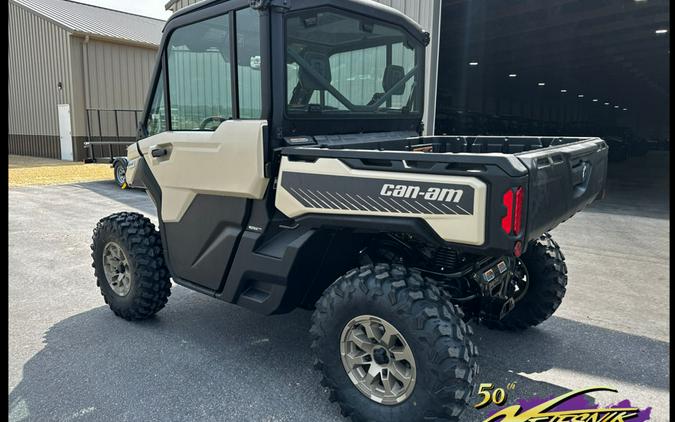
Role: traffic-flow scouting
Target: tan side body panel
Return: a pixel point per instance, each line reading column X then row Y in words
column 226, row 162
column 132, row 157
column 458, row 228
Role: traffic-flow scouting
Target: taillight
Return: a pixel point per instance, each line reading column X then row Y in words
column 518, row 213
column 512, row 222
column 507, row 200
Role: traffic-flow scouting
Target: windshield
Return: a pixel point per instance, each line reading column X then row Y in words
column 342, row 63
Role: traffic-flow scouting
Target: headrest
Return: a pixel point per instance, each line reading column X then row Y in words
column 392, row 74
column 321, row 65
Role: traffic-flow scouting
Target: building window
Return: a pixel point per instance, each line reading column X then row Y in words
column 156, row 120
column 248, row 64
column 200, row 91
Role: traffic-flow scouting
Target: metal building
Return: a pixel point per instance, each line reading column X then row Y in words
column 175, row 5
column 75, row 70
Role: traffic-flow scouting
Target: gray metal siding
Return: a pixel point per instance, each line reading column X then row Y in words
column 38, row 59
column 118, row 74
column 94, row 74
column 118, row 77
column 419, row 10
column 78, row 100
column 181, row 4
column 101, row 22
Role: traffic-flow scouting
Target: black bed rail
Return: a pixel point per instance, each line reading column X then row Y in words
column 109, row 132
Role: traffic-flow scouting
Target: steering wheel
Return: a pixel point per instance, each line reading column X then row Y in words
column 211, row 119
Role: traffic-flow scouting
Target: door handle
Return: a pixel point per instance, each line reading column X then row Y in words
column 158, row 152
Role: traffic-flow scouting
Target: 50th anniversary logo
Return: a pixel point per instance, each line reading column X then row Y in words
column 568, row 407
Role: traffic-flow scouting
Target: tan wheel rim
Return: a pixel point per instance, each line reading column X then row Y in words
column 378, row 360
column 116, row 268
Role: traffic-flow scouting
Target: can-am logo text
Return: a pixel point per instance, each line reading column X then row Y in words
column 415, row 192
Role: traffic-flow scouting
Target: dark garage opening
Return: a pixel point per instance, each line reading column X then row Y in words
column 557, row 67
column 563, row 68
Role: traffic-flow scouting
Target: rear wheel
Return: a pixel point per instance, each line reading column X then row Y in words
column 390, row 348
column 129, row 266
column 545, row 281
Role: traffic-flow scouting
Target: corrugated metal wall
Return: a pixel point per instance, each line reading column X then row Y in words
column 94, row 74
column 181, row 4
column 116, row 76
column 38, row 59
column 421, row 11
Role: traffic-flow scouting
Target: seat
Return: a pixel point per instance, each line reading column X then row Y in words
column 307, row 84
column 392, row 74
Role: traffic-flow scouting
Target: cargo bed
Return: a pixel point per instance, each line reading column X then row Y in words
column 559, row 175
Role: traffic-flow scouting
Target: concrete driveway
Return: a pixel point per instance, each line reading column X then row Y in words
column 71, row 359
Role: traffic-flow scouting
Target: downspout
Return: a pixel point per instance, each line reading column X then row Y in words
column 85, row 70
column 85, row 75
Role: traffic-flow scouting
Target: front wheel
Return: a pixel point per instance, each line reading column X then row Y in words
column 390, row 348
column 129, row 266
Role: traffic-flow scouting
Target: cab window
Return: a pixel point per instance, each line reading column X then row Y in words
column 339, row 63
column 156, row 121
column 248, row 64
column 199, row 71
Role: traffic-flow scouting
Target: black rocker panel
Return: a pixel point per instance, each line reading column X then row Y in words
column 201, row 244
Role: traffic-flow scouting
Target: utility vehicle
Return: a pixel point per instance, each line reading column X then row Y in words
column 283, row 178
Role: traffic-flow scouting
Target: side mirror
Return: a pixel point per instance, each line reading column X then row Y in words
column 255, row 62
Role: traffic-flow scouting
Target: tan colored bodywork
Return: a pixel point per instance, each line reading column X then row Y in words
column 225, row 162
column 132, row 163
column 467, row 229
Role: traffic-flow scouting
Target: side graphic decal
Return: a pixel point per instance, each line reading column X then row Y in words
column 378, row 195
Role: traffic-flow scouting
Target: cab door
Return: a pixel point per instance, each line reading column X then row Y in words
column 209, row 159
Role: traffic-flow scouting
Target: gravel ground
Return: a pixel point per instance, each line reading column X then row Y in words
column 71, row 359
column 25, row 171
column 21, row 161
